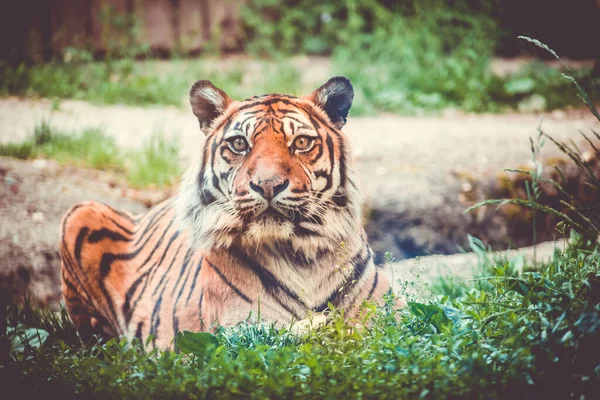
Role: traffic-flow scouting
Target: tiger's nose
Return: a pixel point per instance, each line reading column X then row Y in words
column 269, row 188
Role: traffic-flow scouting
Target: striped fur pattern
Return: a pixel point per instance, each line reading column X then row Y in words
column 266, row 221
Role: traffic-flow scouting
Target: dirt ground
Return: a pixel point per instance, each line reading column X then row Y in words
column 409, row 167
column 33, row 198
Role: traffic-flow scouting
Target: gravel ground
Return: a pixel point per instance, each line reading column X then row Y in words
column 409, row 168
column 33, row 198
column 408, row 162
column 35, row 195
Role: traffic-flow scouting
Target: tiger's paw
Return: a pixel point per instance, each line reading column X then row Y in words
column 304, row 326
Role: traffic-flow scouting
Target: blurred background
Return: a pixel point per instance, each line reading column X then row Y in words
column 93, row 105
column 405, row 56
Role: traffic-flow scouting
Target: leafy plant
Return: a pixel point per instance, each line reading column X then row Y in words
column 199, row 344
column 156, row 164
column 515, row 335
column 584, row 218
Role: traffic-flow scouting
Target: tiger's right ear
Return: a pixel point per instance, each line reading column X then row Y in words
column 208, row 102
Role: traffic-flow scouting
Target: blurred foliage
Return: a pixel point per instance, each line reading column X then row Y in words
column 410, row 56
column 155, row 165
column 317, row 27
column 90, row 148
column 406, row 57
column 132, row 82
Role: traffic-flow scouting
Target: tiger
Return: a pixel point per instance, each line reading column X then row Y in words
column 265, row 227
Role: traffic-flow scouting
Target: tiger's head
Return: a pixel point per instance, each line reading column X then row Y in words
column 274, row 170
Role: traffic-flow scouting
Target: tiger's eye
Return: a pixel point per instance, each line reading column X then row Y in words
column 239, row 144
column 302, row 142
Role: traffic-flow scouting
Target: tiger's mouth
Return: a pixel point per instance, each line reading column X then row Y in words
column 272, row 214
column 275, row 214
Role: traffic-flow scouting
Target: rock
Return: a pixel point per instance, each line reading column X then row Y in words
column 38, row 217
column 533, row 103
column 416, row 276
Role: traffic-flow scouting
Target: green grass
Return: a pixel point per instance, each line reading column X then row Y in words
column 155, row 165
column 144, row 83
column 529, row 336
column 120, row 82
column 403, row 73
column 91, row 147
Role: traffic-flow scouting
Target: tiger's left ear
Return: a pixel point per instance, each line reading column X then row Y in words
column 335, row 98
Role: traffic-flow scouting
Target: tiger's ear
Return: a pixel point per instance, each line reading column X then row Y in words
column 335, row 98
column 208, row 102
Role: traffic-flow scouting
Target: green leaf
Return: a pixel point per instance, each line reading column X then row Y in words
column 433, row 315
column 198, row 344
column 519, row 86
column 27, row 338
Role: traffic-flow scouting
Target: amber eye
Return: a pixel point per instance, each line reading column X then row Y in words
column 238, row 144
column 303, row 143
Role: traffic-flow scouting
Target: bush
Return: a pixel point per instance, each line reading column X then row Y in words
column 421, row 56
column 527, row 336
column 408, row 65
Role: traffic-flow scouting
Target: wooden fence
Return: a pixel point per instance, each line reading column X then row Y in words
column 30, row 28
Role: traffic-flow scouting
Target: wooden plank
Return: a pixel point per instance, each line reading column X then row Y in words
column 191, row 36
column 224, row 23
column 24, row 30
column 102, row 13
column 158, row 30
column 68, row 24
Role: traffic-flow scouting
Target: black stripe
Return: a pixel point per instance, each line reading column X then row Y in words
column 118, row 212
column 109, row 258
column 268, row 102
column 69, row 265
column 166, row 273
column 67, row 216
column 156, row 218
column 340, row 198
column 331, row 150
column 156, row 312
column 194, row 280
column 127, row 311
column 176, row 302
column 138, row 331
column 200, row 309
column 342, row 162
column 127, row 231
column 79, row 243
column 375, row 280
column 105, row 233
column 360, row 263
column 228, row 282
column 206, row 197
column 157, row 245
column 271, row 284
column 155, row 319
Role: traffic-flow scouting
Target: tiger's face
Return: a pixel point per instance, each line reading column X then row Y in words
column 273, row 169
